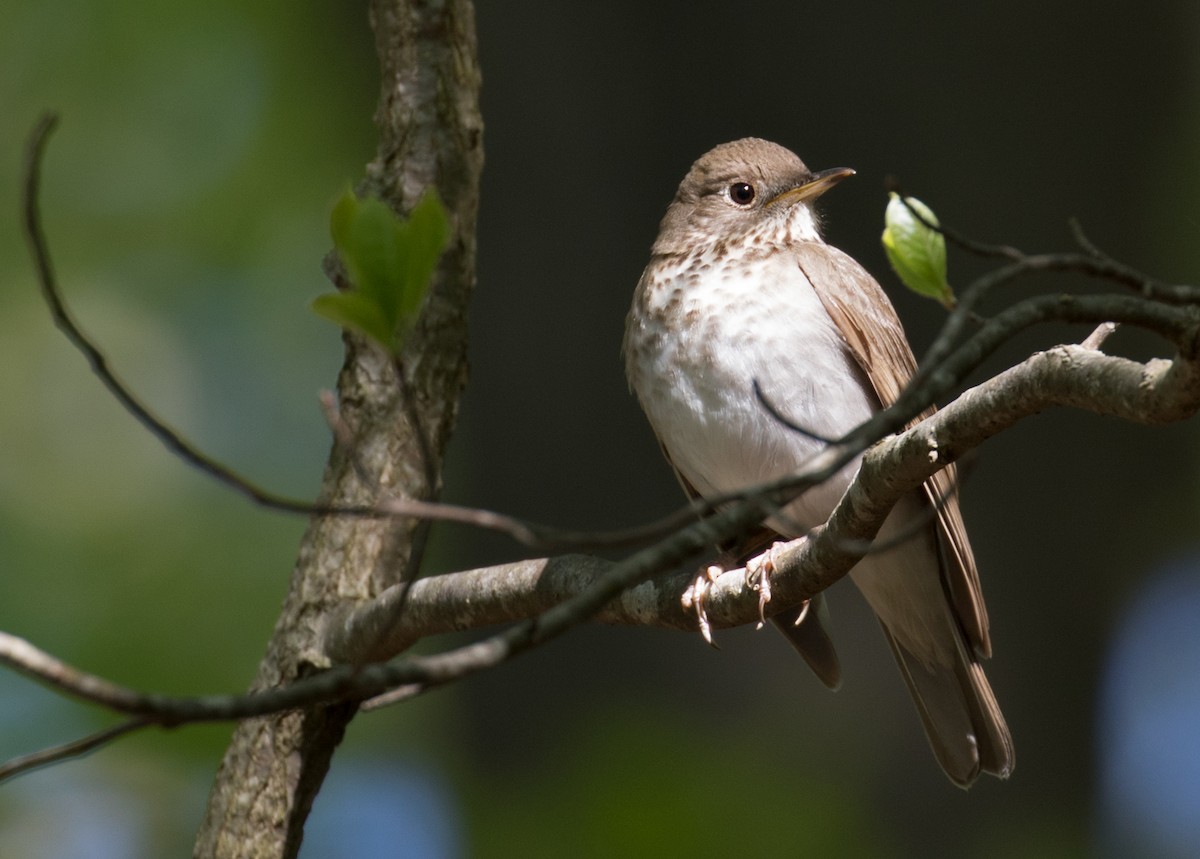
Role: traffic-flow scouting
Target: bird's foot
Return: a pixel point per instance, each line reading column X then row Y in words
column 697, row 592
column 758, row 578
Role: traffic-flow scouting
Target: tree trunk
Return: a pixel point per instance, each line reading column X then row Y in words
column 430, row 136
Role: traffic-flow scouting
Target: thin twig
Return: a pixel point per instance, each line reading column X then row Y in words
column 970, row 245
column 529, row 534
column 342, row 434
column 39, row 665
column 425, row 451
column 358, row 683
column 396, row 696
column 424, row 448
column 1129, row 276
column 913, row 528
column 1081, row 239
column 1096, row 339
column 99, row 363
column 344, row 438
column 784, row 419
column 1153, row 392
column 420, row 537
column 1171, row 322
column 916, row 525
column 14, row 767
column 1132, row 390
column 533, row 535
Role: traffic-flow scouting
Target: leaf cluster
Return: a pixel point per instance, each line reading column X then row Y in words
column 389, row 262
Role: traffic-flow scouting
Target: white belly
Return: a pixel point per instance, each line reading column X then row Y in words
column 698, row 391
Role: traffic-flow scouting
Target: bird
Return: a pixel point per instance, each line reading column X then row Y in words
column 744, row 305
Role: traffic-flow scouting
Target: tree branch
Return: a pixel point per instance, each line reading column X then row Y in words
column 531, row 534
column 73, row 749
column 566, row 590
column 351, row 605
column 1159, row 391
column 97, row 360
column 430, row 136
column 558, row 593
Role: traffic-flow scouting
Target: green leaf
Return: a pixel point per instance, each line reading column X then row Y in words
column 356, row 311
column 389, row 262
column 342, row 217
column 375, row 254
column 916, row 252
column 428, row 230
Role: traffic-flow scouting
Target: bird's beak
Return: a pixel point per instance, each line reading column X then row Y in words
column 814, row 187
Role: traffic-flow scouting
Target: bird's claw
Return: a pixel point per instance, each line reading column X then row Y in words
column 695, row 595
column 758, row 577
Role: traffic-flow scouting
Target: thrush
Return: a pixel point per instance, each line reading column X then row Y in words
column 742, row 292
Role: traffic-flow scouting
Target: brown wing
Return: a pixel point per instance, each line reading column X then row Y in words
column 867, row 321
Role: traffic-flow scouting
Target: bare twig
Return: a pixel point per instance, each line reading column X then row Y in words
column 555, row 594
column 533, row 535
column 970, row 245
column 1081, row 239
column 98, row 361
column 418, row 431
column 41, row 666
column 428, row 466
column 343, row 436
column 1156, row 392
column 574, row 588
column 420, row 538
column 1096, row 339
column 396, row 696
column 784, row 419
column 950, row 359
column 75, row 748
column 914, row 526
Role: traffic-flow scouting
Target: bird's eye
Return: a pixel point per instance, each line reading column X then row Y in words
column 741, row 193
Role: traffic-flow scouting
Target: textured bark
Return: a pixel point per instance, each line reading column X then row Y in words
column 430, row 136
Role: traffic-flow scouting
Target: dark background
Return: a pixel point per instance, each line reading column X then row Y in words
column 187, row 194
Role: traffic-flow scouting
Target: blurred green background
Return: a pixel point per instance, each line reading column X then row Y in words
column 186, row 197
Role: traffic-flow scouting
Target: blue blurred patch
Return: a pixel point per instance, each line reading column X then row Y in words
column 1149, row 734
column 396, row 810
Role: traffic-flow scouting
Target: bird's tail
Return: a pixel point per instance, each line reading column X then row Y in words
column 961, row 717
column 805, row 630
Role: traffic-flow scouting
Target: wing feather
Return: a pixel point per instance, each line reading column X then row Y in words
column 868, row 323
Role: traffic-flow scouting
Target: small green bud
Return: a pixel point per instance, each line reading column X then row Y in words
column 916, row 252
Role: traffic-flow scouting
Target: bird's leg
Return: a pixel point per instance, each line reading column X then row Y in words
column 758, row 578
column 694, row 596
